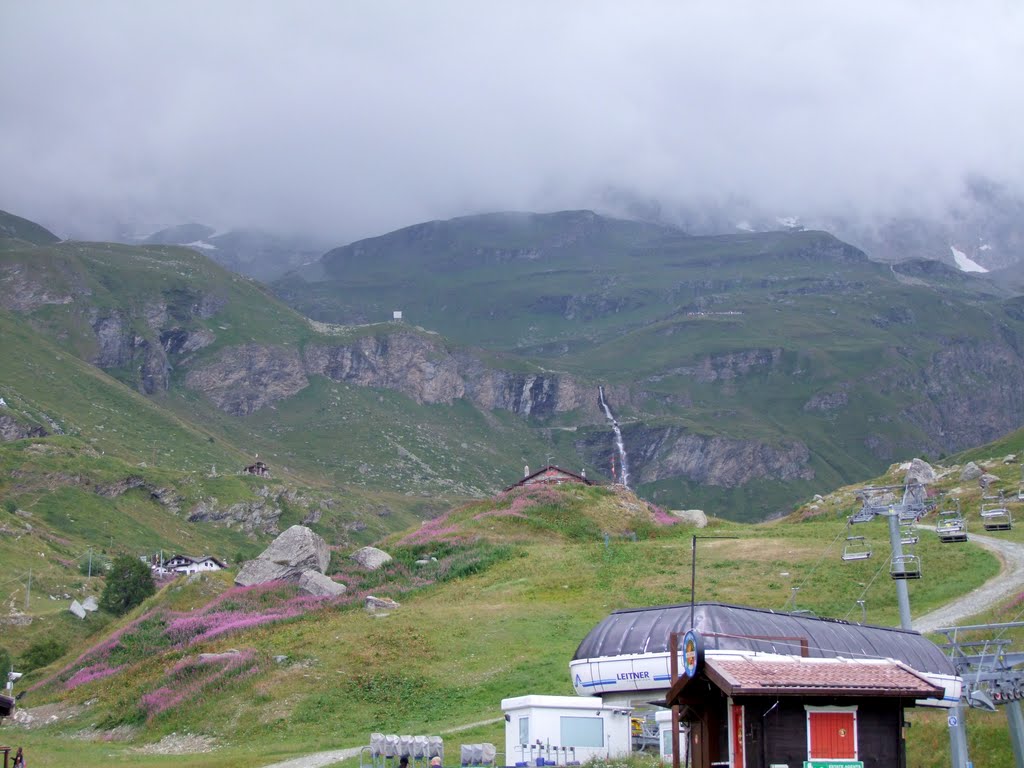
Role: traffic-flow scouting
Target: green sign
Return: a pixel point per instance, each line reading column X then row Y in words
column 833, row 764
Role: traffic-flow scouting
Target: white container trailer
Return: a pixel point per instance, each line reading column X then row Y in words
column 563, row 730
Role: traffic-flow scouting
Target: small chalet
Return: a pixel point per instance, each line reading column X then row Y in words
column 551, row 475
column 753, row 688
column 258, row 468
column 186, row 564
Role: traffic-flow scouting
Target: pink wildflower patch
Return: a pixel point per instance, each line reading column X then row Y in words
column 190, row 677
column 90, row 674
column 435, row 529
column 499, row 513
column 661, row 517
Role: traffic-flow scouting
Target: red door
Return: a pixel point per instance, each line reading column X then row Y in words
column 737, row 736
column 832, row 736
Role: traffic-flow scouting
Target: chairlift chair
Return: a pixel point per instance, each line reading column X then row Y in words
column 996, row 517
column 863, row 515
column 908, row 516
column 905, row 567
column 908, row 535
column 951, row 526
column 856, row 548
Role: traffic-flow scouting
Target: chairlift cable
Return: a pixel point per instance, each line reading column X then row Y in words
column 883, row 567
column 815, row 567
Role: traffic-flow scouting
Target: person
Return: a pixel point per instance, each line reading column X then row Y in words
column 19, row 759
column 403, row 761
column 435, row 762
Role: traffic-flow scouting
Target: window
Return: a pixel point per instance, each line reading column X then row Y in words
column 524, row 730
column 582, row 732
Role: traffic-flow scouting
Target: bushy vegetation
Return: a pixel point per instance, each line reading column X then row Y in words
column 129, row 582
column 41, row 653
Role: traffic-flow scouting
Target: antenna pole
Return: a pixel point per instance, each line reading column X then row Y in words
column 693, row 576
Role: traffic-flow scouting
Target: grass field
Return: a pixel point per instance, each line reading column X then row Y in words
column 470, row 635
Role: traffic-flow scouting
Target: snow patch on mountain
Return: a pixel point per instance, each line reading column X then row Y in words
column 965, row 263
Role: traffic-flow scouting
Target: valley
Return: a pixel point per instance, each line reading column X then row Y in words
column 758, row 377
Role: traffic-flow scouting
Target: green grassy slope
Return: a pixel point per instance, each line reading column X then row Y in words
column 517, row 583
column 15, row 227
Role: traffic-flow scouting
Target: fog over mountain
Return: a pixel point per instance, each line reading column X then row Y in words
column 346, row 120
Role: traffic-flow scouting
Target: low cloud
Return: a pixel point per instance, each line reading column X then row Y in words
column 350, row 119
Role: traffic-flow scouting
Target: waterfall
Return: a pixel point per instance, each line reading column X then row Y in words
column 620, row 446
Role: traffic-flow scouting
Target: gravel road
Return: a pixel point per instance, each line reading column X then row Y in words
column 321, row 759
column 1008, row 583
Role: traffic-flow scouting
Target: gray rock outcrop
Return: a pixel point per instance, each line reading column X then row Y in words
column 320, row 585
column 920, row 471
column 692, row 517
column 292, row 553
column 971, row 471
column 987, row 479
column 381, row 605
column 77, row 609
column 243, row 379
column 14, row 430
column 371, row 558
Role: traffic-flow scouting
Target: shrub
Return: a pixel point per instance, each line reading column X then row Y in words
column 129, row 582
column 98, row 565
column 41, row 653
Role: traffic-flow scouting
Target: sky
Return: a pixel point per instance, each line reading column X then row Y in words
column 348, row 119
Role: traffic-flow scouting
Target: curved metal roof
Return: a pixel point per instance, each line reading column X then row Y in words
column 733, row 627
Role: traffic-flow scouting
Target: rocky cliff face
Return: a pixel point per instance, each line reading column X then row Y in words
column 971, row 393
column 12, row 429
column 241, row 380
column 658, row 454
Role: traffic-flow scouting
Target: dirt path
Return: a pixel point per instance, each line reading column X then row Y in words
column 1008, row 583
column 322, row 759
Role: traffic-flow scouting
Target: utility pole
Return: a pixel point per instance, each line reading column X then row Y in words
column 902, row 596
column 90, row 562
column 28, row 590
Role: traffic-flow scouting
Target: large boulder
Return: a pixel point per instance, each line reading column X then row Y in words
column 319, row 585
column 380, row 606
column 971, row 472
column 694, row 517
column 371, row 558
column 919, row 471
column 294, row 552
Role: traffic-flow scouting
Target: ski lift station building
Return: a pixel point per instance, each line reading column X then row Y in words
column 755, row 688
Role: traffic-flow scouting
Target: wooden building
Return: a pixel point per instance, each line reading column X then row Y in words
column 258, row 468
column 759, row 689
column 551, row 475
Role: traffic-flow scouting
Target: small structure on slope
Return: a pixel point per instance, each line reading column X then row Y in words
column 186, row 564
column 257, row 468
column 551, row 475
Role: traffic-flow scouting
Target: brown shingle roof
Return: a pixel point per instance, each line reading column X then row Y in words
column 753, row 675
